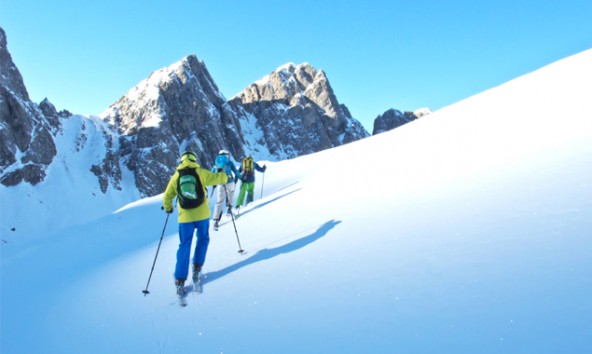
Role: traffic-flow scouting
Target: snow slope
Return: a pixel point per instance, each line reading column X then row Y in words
column 467, row 231
column 70, row 193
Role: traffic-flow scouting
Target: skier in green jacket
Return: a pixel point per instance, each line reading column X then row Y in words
column 247, row 170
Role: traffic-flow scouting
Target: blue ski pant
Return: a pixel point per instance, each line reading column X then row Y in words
column 186, row 231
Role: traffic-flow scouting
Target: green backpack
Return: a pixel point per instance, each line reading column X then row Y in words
column 190, row 192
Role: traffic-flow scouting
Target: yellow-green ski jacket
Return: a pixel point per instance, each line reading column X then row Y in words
column 207, row 178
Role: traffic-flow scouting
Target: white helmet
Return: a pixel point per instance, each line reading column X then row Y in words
column 223, row 152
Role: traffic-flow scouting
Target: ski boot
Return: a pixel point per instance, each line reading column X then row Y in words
column 180, row 284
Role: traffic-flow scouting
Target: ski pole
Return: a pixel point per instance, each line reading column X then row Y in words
column 240, row 248
column 262, row 182
column 145, row 291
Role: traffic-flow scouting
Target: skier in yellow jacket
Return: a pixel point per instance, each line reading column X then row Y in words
column 188, row 185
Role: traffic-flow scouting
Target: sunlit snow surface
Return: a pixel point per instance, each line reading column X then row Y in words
column 466, row 231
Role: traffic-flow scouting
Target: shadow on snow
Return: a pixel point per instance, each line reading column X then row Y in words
column 266, row 253
column 267, row 202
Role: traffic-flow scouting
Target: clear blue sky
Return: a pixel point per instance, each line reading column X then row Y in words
column 84, row 55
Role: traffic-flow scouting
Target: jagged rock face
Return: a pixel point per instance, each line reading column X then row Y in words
column 26, row 142
column 179, row 108
column 10, row 76
column 298, row 112
column 175, row 109
column 108, row 171
column 392, row 119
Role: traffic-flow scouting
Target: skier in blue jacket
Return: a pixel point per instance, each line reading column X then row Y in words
column 225, row 191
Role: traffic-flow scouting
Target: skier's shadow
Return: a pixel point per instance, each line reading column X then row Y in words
column 269, row 202
column 267, row 253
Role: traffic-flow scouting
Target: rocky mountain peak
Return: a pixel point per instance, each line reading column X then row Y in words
column 26, row 142
column 176, row 108
column 394, row 118
column 144, row 106
column 10, row 76
column 289, row 83
column 298, row 111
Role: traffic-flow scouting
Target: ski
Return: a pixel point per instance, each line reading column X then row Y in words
column 197, row 283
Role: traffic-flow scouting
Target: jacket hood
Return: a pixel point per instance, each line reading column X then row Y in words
column 186, row 163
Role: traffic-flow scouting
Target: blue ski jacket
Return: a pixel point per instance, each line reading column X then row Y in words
column 228, row 168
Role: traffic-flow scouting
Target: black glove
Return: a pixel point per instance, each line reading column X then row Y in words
column 167, row 211
column 220, row 170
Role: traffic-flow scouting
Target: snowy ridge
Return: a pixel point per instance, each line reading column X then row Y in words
column 285, row 81
column 286, row 72
column 143, row 94
column 473, row 237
